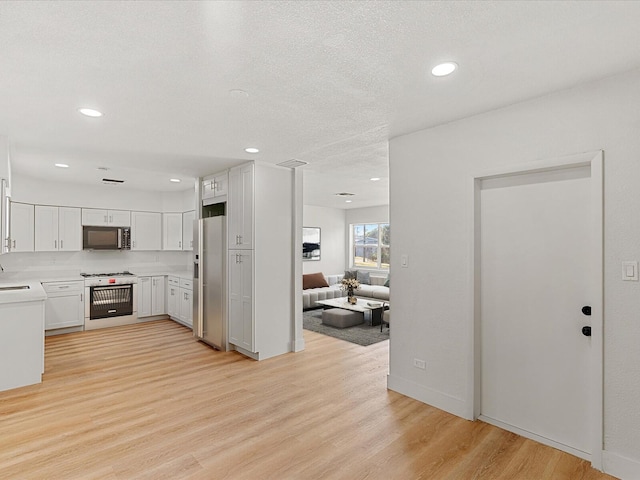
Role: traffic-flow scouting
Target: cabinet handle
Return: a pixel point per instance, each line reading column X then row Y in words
column 81, row 297
column 14, row 244
column 55, row 244
column 110, row 218
column 61, row 244
column 64, row 286
column 180, row 244
column 106, row 220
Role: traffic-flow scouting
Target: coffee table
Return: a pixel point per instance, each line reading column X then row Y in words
column 375, row 307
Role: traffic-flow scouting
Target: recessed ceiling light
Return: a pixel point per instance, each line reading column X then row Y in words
column 251, row 150
column 374, row 179
column 444, row 69
column 62, row 165
column 348, row 201
column 90, row 112
column 175, row 180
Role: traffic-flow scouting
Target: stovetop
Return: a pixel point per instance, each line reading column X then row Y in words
column 112, row 274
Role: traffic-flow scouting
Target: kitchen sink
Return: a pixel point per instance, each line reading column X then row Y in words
column 14, row 287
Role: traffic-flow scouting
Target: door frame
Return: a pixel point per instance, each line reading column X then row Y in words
column 594, row 160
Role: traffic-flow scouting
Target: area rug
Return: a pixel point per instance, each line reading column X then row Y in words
column 362, row 334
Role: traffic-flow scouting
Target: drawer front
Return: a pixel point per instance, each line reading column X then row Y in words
column 63, row 287
column 174, row 281
column 184, row 283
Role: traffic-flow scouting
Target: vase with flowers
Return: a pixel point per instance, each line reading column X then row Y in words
column 350, row 285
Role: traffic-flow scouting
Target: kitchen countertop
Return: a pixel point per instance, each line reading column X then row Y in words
column 71, row 275
column 34, row 293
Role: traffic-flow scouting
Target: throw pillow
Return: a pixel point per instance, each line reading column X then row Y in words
column 350, row 274
column 314, row 280
column 363, row 277
column 386, row 283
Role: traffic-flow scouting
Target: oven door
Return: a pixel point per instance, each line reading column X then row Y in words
column 110, row 301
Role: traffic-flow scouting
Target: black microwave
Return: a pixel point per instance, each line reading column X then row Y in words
column 106, row 238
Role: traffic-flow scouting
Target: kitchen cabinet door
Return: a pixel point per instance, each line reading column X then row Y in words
column 21, row 231
column 46, row 228
column 186, row 306
column 172, row 231
column 95, row 217
column 146, row 231
column 158, row 295
column 144, row 296
column 187, row 229
column 69, row 229
column 173, row 301
column 119, row 218
column 241, row 318
column 240, row 205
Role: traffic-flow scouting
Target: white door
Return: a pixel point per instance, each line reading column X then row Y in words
column 535, row 278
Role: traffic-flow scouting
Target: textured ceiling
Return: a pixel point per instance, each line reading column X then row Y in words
column 328, row 82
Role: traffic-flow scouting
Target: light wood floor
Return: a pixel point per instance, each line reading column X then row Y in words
column 147, row 401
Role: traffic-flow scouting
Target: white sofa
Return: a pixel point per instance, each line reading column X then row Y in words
column 374, row 291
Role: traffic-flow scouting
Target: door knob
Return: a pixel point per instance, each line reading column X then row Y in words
column 586, row 310
column 586, row 331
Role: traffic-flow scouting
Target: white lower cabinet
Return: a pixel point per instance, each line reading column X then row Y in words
column 151, row 296
column 64, row 306
column 180, row 300
column 173, row 297
column 241, row 318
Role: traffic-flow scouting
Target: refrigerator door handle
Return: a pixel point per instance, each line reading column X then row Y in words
column 201, row 274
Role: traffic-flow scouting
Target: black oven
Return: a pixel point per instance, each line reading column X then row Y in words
column 110, row 301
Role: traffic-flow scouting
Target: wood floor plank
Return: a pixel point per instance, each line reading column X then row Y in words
column 146, row 401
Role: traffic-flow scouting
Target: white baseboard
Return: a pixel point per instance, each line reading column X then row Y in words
column 448, row 403
column 621, row 467
column 298, row 345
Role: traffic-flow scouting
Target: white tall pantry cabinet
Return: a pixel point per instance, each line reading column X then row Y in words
column 260, row 259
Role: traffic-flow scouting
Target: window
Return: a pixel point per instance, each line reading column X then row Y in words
column 370, row 245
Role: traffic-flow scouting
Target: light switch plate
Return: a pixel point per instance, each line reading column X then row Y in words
column 630, row 271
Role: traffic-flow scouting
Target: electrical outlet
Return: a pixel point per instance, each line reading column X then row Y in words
column 421, row 364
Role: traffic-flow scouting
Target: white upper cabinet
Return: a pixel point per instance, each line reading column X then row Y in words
column 46, row 228
column 172, row 231
column 187, row 229
column 215, row 186
column 111, row 218
column 146, row 231
column 240, row 207
column 21, row 230
column 70, row 229
column 57, row 229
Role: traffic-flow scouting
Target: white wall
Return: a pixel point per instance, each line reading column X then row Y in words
column 37, row 191
column 332, row 239
column 368, row 215
column 431, row 214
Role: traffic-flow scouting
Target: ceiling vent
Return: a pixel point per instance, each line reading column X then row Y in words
column 344, row 194
column 293, row 163
column 112, row 181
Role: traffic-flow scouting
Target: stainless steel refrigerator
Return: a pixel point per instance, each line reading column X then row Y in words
column 209, row 281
